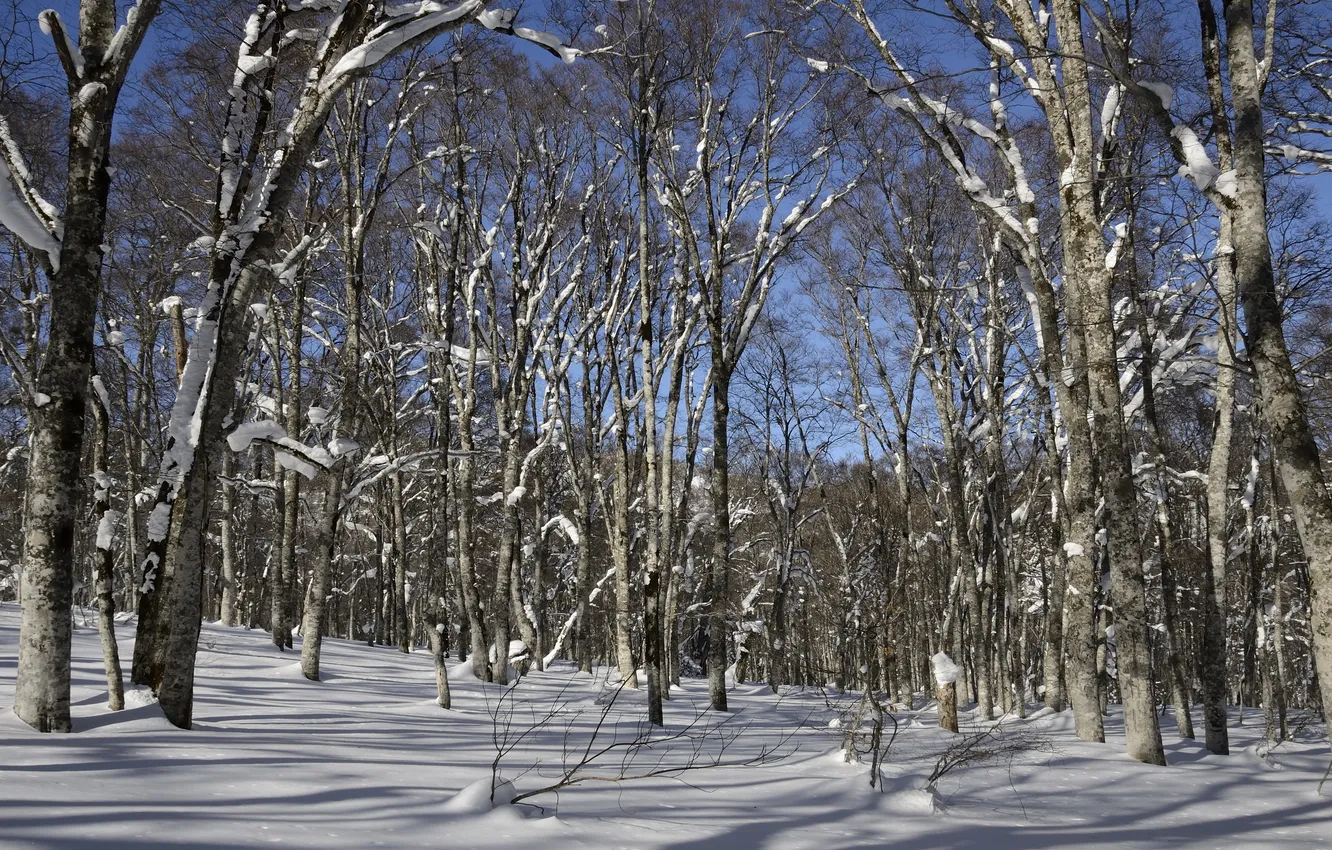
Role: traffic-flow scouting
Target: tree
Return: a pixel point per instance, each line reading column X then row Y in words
column 95, row 69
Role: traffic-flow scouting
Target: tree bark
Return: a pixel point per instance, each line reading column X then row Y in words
column 720, row 573
column 226, row 531
column 52, row 496
column 1212, row 663
column 436, row 637
column 1292, row 441
column 104, row 555
column 400, row 565
column 1085, row 271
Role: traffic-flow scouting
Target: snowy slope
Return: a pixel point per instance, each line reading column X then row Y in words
column 366, row 759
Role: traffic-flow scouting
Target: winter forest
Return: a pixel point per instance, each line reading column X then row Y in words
column 883, row 413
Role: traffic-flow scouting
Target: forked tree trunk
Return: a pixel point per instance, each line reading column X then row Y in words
column 1085, row 271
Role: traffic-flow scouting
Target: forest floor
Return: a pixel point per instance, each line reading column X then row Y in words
column 367, row 759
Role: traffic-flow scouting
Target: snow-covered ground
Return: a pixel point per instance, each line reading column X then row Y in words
column 366, row 759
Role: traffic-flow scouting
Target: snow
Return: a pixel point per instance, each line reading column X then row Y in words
column 159, row 521
column 550, row 42
column 87, row 94
column 566, row 527
column 18, row 218
column 1163, row 91
column 1109, row 110
column 384, row 40
column 45, row 22
column 1074, row 550
column 1199, row 166
column 248, row 432
column 946, row 671
column 1112, row 256
column 340, row 446
column 106, row 529
column 99, row 387
column 286, row 460
column 302, row 458
column 480, row 797
column 365, row 758
column 497, row 19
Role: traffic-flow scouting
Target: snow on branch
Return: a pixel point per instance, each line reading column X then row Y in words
column 126, row 41
column 572, row 619
column 426, row 19
column 501, row 21
column 938, row 124
column 289, row 453
column 375, row 468
column 1188, row 150
column 1197, row 166
column 404, row 25
column 1298, row 154
column 20, row 210
column 70, row 55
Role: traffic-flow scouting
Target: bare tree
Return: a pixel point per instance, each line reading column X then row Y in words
column 95, row 70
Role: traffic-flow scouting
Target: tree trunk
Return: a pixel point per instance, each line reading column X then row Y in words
column 720, row 577
column 1292, row 441
column 281, row 578
column 508, row 543
column 104, row 556
column 465, row 499
column 583, row 583
column 55, row 446
column 947, row 697
column 400, row 565
column 1085, row 271
column 1212, row 661
column 436, row 638
column 227, row 614
column 1180, row 690
column 326, row 537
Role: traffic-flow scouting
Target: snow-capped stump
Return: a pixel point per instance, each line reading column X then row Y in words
column 946, row 674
